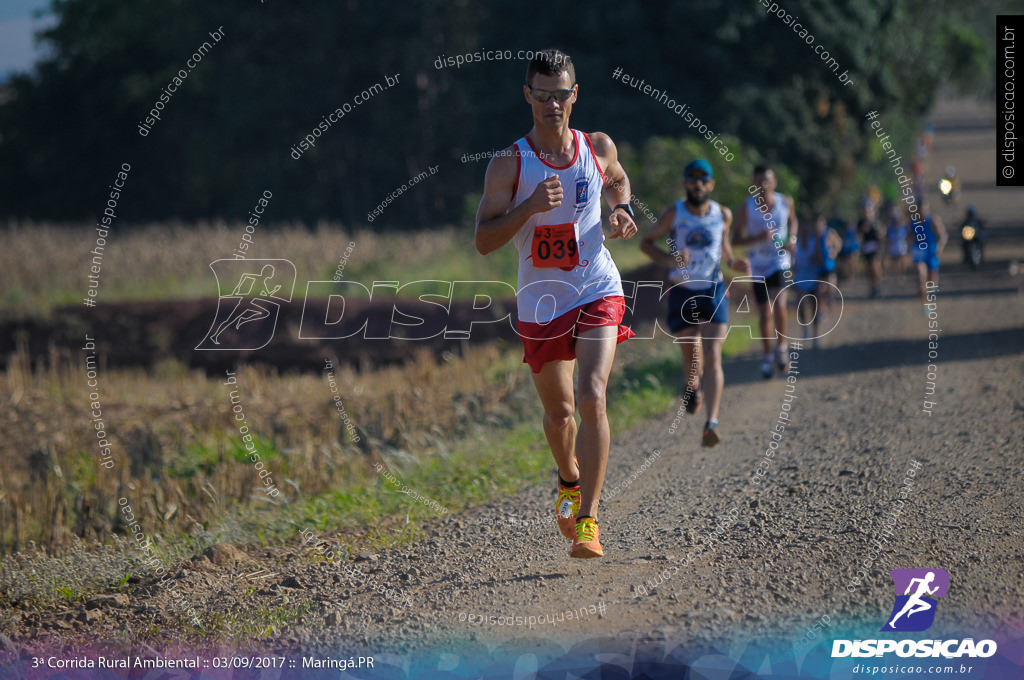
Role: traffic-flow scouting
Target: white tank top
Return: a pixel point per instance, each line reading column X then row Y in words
column 547, row 292
column 702, row 236
column 768, row 257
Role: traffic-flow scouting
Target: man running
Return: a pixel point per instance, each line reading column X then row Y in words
column 929, row 241
column 814, row 272
column 569, row 299
column 766, row 222
column 697, row 311
column 869, row 231
column 915, row 603
column 896, row 238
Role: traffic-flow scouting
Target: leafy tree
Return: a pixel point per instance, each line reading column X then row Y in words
column 227, row 134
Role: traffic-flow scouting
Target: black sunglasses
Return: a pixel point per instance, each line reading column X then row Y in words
column 698, row 178
column 544, row 96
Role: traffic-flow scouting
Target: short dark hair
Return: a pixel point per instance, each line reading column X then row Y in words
column 550, row 62
column 761, row 168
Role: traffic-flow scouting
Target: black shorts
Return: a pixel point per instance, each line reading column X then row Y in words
column 776, row 280
column 691, row 308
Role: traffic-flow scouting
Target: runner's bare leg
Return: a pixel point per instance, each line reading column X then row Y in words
column 922, row 277
column 714, row 377
column 779, row 311
column 764, row 314
column 690, row 347
column 554, row 385
column 595, row 351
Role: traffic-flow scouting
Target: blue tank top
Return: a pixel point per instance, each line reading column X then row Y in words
column 850, row 242
column 896, row 232
column 925, row 228
column 804, row 268
column 828, row 262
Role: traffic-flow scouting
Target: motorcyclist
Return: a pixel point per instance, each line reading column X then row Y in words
column 949, row 186
column 972, row 235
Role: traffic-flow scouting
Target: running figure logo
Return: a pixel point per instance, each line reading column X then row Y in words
column 582, row 192
column 247, row 316
column 914, row 609
column 582, row 195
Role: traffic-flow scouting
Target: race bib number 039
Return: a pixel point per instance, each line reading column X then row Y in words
column 555, row 245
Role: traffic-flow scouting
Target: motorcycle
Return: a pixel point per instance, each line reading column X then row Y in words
column 949, row 186
column 972, row 242
column 950, row 192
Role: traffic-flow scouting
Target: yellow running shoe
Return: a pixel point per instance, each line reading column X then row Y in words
column 586, row 543
column 566, row 507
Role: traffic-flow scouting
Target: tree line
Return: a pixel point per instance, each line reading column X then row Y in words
column 319, row 73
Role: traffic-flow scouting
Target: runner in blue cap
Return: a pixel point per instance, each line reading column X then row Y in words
column 930, row 239
column 698, row 230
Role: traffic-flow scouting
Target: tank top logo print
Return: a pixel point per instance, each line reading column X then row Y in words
column 582, row 187
column 698, row 238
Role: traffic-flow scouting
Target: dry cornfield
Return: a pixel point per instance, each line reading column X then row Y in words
column 176, row 447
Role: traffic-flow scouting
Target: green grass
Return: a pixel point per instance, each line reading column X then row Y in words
column 70, row 594
column 371, row 512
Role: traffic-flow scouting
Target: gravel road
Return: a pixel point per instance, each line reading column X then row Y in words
column 700, row 548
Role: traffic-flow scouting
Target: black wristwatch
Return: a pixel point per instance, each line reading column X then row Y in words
column 627, row 208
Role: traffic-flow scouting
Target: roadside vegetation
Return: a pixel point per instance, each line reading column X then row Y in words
column 449, row 434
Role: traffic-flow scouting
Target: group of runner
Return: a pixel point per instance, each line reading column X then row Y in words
column 570, row 299
column 905, row 240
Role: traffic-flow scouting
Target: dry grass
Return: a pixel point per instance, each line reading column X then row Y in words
column 462, row 431
column 36, row 577
column 177, row 451
column 44, row 265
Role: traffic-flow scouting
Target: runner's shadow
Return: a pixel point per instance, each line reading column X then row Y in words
column 864, row 356
column 967, row 292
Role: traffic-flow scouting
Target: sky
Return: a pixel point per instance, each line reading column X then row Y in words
column 17, row 25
